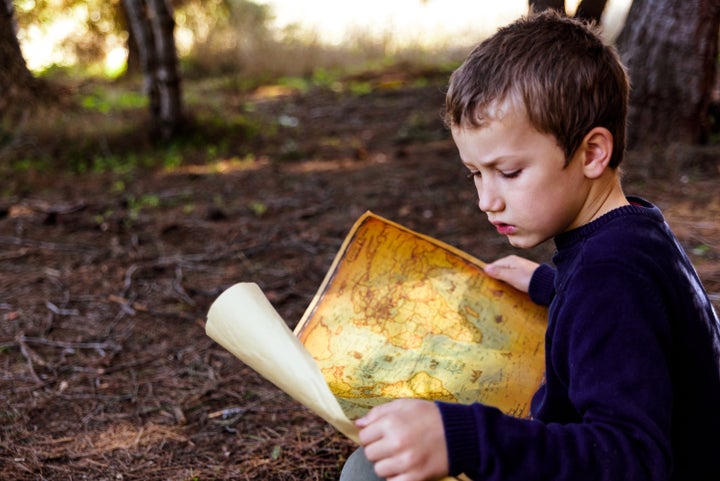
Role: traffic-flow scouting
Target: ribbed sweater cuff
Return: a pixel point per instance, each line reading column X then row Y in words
column 460, row 436
column 542, row 285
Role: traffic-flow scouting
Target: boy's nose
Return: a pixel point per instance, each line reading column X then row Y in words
column 489, row 199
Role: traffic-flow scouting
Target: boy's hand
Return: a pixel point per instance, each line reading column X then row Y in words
column 516, row 271
column 405, row 439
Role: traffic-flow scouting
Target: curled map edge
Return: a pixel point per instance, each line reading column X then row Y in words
column 244, row 322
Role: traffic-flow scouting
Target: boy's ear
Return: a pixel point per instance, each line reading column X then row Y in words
column 597, row 148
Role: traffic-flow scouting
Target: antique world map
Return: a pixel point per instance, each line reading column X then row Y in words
column 400, row 314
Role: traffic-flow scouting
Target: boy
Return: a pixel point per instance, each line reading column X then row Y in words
column 632, row 383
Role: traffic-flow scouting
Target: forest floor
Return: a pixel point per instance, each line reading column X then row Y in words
column 106, row 279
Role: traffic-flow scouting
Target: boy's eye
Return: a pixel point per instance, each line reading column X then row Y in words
column 510, row 174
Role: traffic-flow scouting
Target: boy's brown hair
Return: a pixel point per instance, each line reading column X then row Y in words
column 568, row 80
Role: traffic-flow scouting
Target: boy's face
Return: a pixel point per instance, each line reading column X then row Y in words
column 522, row 183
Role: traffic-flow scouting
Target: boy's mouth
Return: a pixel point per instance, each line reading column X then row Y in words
column 504, row 229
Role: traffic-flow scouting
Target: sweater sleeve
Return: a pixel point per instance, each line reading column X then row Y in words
column 542, row 285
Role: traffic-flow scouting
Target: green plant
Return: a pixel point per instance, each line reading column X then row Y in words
column 135, row 205
column 105, row 101
column 258, row 208
column 360, row 88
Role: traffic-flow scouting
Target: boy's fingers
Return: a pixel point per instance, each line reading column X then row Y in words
column 369, row 434
column 492, row 269
column 516, row 271
column 374, row 414
column 387, row 468
column 499, row 271
column 371, row 430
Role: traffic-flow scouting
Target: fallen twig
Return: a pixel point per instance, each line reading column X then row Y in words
column 17, row 241
column 30, row 357
column 178, row 288
column 128, row 306
column 100, row 347
column 127, row 283
column 61, row 312
column 14, row 254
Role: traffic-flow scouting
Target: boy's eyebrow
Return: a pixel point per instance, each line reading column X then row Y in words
column 492, row 162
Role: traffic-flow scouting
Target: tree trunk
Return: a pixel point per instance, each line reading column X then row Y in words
column 670, row 48
column 591, row 10
column 17, row 84
column 168, row 79
column 133, row 59
column 152, row 25
column 540, row 5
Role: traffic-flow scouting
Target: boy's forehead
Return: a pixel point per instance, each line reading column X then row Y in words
column 508, row 134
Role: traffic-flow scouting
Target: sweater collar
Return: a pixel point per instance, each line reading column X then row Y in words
column 637, row 206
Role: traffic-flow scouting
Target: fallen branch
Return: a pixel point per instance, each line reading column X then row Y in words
column 55, row 246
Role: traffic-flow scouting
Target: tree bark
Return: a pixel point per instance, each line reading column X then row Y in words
column 670, row 48
column 591, row 10
column 17, row 84
column 540, row 5
column 168, row 79
column 152, row 25
column 133, row 59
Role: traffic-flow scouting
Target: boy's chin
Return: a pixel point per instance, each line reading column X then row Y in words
column 524, row 242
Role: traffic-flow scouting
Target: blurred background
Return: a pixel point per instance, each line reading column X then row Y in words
column 157, row 54
column 89, row 37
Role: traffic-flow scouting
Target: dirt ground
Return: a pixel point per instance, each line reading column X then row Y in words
column 105, row 281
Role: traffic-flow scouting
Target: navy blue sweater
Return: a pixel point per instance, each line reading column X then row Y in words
column 632, row 382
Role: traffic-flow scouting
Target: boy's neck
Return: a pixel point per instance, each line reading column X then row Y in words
column 605, row 195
